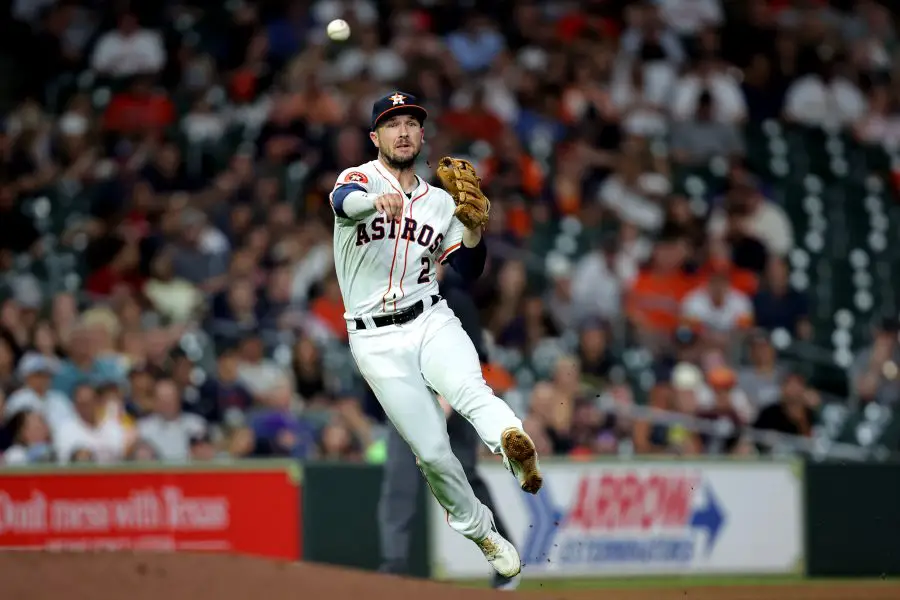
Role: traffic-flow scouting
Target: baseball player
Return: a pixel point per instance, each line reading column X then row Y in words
column 400, row 486
column 391, row 228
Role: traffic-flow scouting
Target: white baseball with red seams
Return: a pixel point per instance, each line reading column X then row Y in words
column 383, row 267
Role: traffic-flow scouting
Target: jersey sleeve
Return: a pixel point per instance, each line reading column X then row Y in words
column 350, row 180
column 355, row 176
column 452, row 241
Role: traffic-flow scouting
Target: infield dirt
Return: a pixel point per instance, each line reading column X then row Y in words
column 125, row 576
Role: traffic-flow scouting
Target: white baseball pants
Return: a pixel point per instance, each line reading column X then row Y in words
column 402, row 364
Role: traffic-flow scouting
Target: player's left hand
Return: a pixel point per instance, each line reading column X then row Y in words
column 459, row 178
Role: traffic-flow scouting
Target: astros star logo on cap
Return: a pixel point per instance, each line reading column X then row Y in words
column 397, row 99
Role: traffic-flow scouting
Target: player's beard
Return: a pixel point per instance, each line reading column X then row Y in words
column 400, row 164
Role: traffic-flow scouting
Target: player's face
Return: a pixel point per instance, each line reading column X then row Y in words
column 399, row 140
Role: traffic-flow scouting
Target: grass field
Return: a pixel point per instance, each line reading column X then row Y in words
column 685, row 581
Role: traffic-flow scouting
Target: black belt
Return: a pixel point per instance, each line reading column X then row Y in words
column 401, row 316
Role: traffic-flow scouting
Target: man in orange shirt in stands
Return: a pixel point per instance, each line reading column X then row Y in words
column 719, row 261
column 653, row 303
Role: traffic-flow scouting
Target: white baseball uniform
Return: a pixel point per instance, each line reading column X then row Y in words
column 383, row 268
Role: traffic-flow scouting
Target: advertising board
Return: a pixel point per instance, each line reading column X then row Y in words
column 243, row 510
column 640, row 518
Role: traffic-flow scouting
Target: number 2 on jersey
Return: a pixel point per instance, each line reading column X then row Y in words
column 426, row 271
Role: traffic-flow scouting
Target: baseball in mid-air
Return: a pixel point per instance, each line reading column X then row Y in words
column 338, row 30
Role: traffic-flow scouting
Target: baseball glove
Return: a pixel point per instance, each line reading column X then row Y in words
column 458, row 177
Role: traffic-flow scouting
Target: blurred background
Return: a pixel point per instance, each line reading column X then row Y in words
column 690, row 244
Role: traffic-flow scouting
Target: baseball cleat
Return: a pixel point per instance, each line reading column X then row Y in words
column 502, row 555
column 520, row 457
column 506, row 584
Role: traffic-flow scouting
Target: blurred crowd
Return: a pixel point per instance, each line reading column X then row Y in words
column 182, row 153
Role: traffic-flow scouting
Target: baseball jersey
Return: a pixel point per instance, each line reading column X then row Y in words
column 387, row 266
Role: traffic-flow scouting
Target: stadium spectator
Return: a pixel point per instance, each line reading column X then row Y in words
column 718, row 308
column 476, row 44
column 761, row 379
column 139, row 400
column 202, row 448
column 874, row 371
column 348, row 436
column 307, row 365
column 881, row 123
column 718, row 259
column 44, row 341
column 596, row 360
column 30, row 439
column 83, row 362
column 654, row 300
column 36, row 371
column 793, row 414
column 824, row 98
column 277, row 428
column 260, row 375
column 763, row 92
column 222, row 398
column 167, row 428
column 19, row 313
column 128, row 50
column 634, row 190
column 688, row 17
column 748, row 213
column 90, row 434
column 143, row 452
column 701, row 138
column 779, row 305
column 675, row 391
column 174, row 298
column 597, row 284
column 383, row 64
column 707, row 75
column 139, row 110
column 649, row 37
column 550, row 419
column 725, row 403
column 638, row 95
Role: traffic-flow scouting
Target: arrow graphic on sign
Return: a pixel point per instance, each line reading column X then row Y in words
column 710, row 518
column 545, row 520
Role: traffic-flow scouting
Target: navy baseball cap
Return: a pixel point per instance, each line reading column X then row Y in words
column 397, row 103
